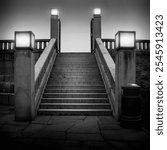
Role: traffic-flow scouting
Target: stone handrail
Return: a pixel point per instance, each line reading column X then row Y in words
column 107, row 69
column 43, row 68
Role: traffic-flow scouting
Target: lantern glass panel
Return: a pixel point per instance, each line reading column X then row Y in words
column 127, row 39
column 54, row 12
column 97, row 11
column 22, row 40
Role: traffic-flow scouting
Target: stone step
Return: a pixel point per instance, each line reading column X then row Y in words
column 72, row 78
column 74, row 106
column 75, row 87
column 74, row 69
column 73, row 56
column 54, row 74
column 75, row 72
column 75, row 100
column 75, row 90
column 73, row 84
column 76, row 65
column 76, row 57
column 86, row 64
column 91, row 112
column 66, row 87
column 75, row 60
column 76, row 80
column 74, row 95
column 78, row 76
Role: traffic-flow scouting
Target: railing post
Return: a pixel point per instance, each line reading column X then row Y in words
column 125, row 64
column 96, row 23
column 24, row 76
column 55, row 27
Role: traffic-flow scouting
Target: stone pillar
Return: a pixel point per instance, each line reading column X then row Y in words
column 96, row 28
column 24, row 83
column 125, row 71
column 91, row 36
column 54, row 33
column 59, row 36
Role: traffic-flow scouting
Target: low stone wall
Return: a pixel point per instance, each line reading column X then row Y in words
column 6, row 71
column 6, row 98
column 7, row 75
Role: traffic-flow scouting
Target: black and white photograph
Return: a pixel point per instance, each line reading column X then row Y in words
column 75, row 74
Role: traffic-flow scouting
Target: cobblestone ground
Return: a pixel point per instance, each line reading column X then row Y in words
column 69, row 132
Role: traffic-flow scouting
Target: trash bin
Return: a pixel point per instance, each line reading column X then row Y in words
column 131, row 115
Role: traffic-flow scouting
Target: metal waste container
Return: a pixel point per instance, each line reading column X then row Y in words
column 131, row 115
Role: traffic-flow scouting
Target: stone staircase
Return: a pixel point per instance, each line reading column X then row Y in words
column 75, row 87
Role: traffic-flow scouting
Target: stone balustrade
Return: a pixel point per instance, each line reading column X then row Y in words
column 43, row 68
column 107, row 69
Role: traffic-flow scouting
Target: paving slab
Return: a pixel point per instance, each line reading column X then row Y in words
column 33, row 129
column 88, row 125
column 98, row 145
column 125, row 135
column 108, row 126
column 59, row 127
column 120, row 145
column 51, row 134
column 108, row 119
column 69, row 117
column 63, row 120
column 139, row 145
column 11, row 131
column 69, row 133
column 7, row 118
column 17, row 143
column 41, row 120
column 59, row 144
column 84, row 137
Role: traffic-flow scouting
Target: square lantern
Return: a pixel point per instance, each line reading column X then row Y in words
column 97, row 11
column 24, row 40
column 54, row 12
column 125, row 40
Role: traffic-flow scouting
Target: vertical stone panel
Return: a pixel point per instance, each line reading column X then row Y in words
column 125, row 73
column 24, row 85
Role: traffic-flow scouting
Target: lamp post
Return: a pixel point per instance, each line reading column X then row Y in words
column 125, row 63
column 55, row 27
column 24, row 76
column 96, row 25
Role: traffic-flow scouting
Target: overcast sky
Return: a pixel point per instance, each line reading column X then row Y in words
column 34, row 15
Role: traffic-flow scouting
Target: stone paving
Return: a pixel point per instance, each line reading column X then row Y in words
column 69, row 132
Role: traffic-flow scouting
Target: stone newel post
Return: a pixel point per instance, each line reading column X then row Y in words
column 125, row 64
column 55, row 27
column 96, row 22
column 24, row 76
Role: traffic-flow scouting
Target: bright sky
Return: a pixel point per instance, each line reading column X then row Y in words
column 34, row 15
